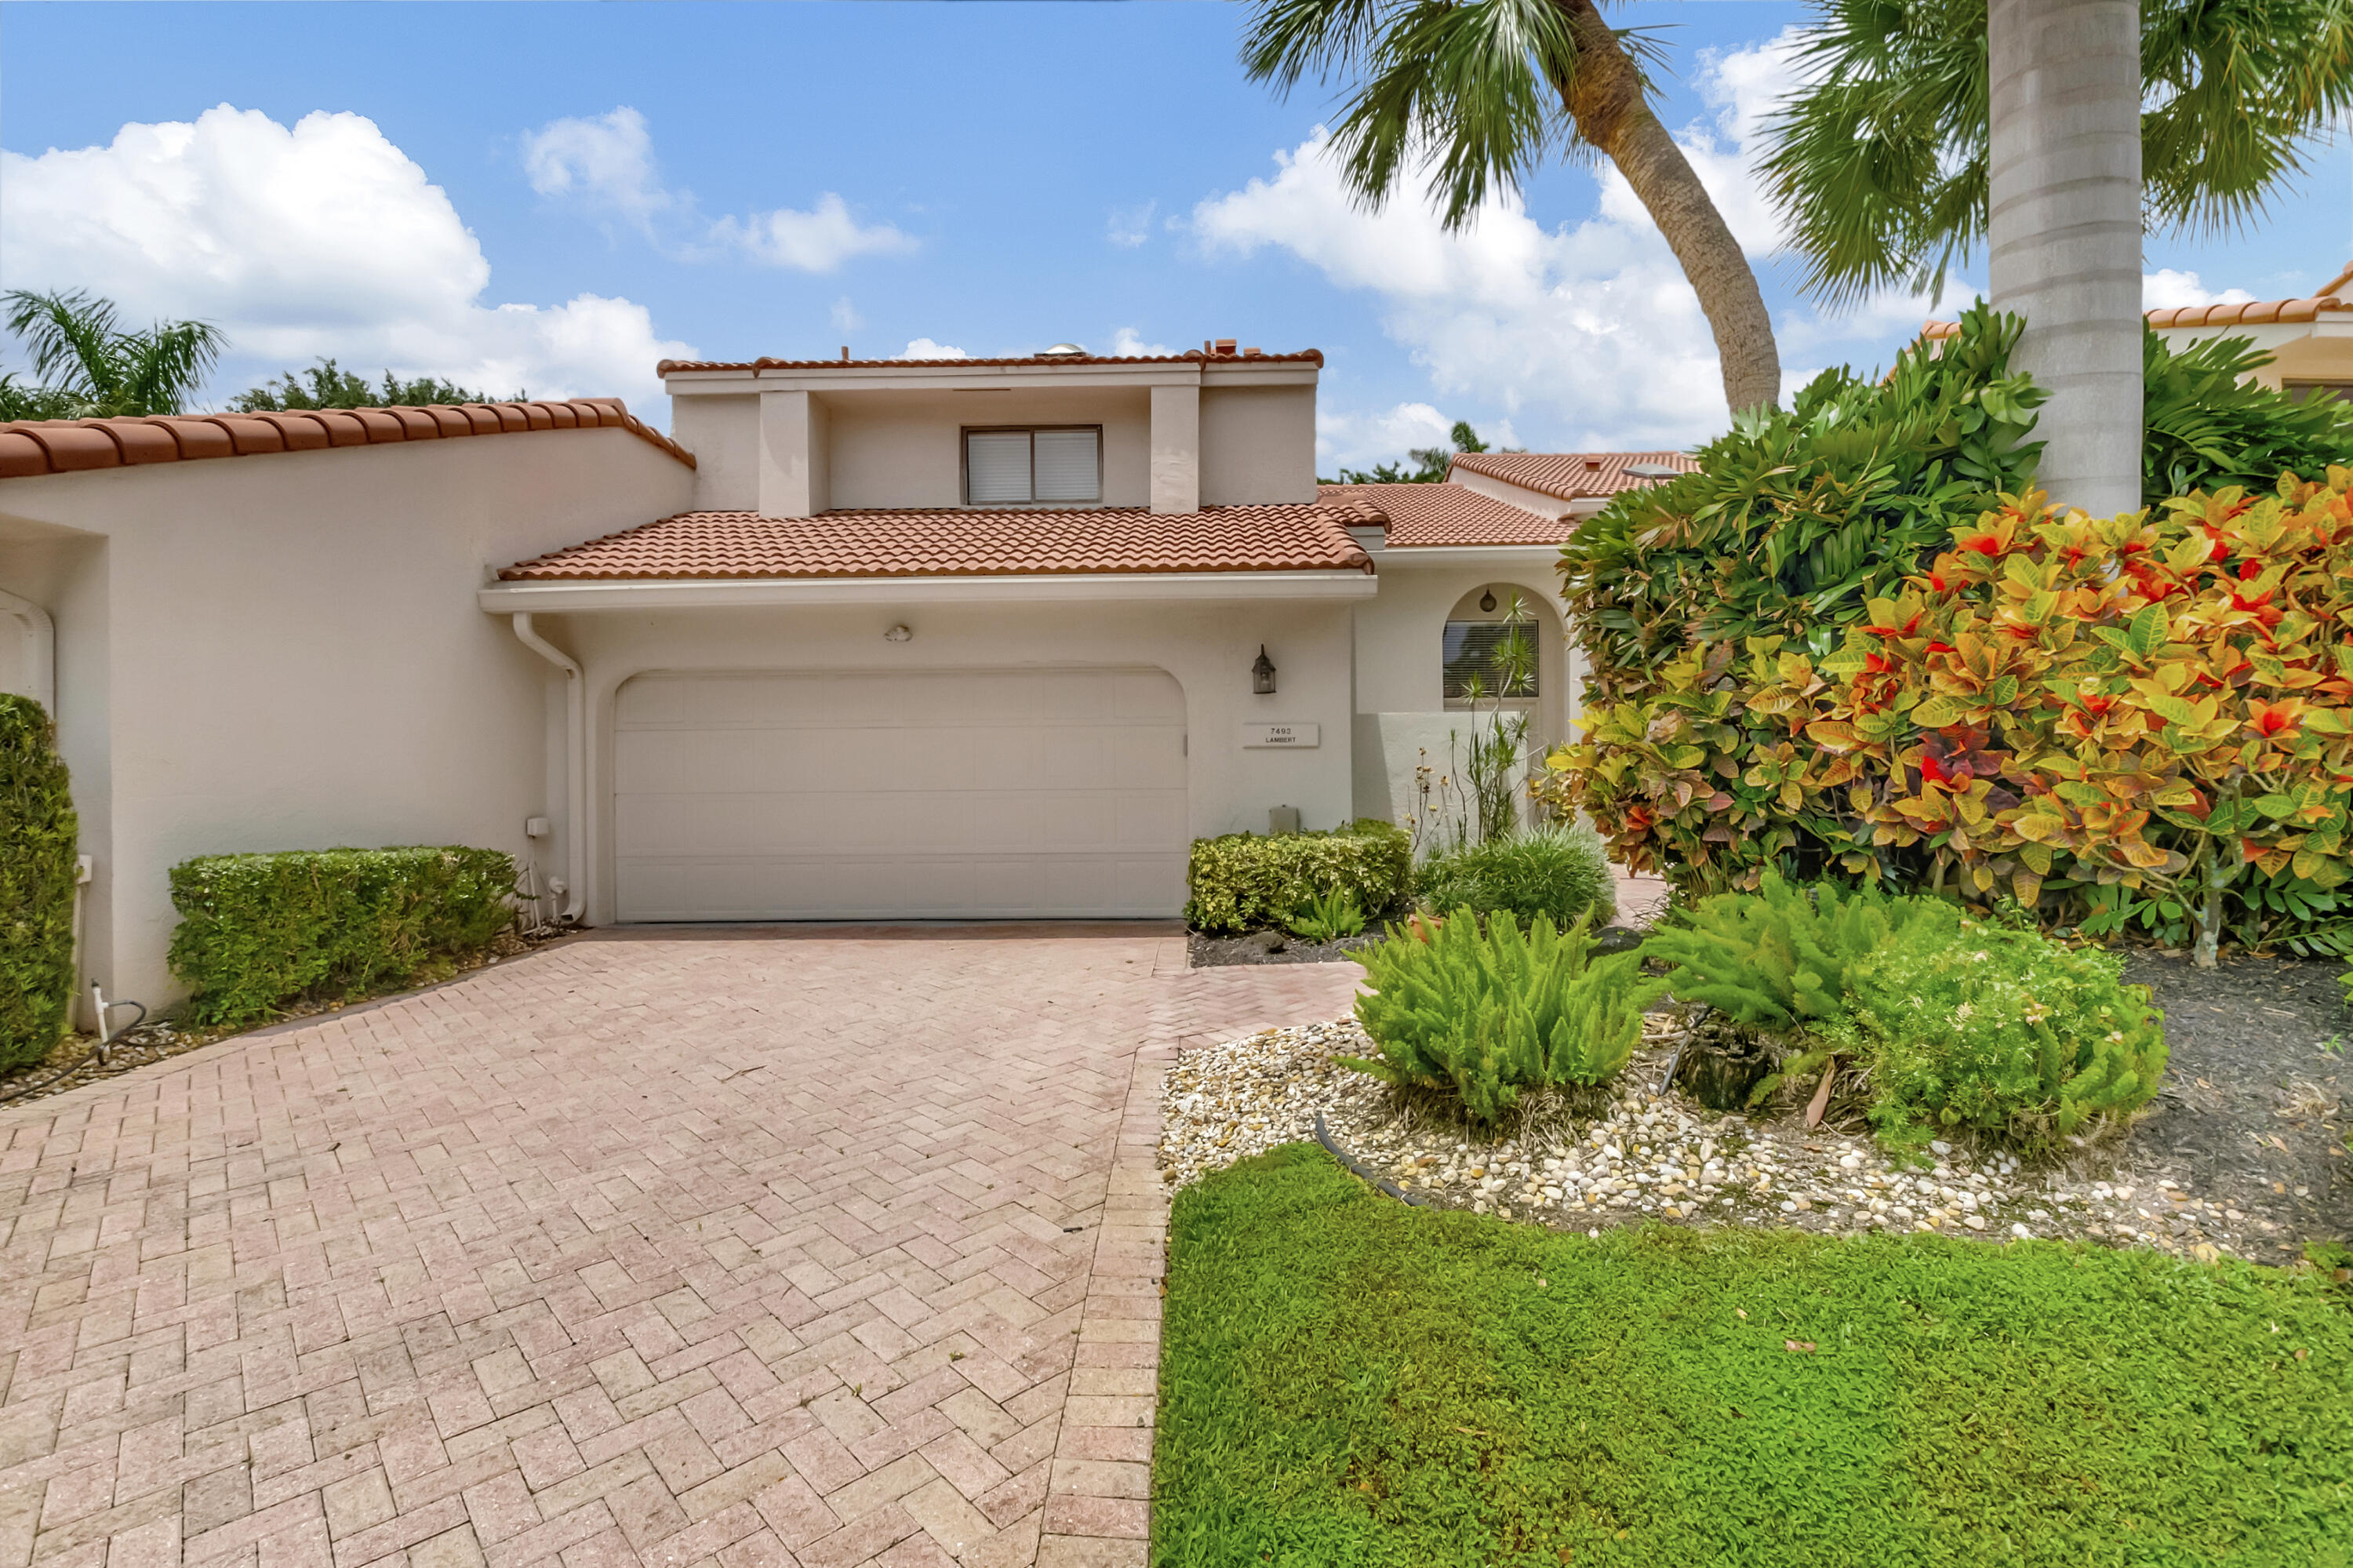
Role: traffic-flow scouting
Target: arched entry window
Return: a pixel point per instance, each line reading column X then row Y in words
column 1489, row 657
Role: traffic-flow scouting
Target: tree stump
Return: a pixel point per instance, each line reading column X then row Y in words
column 1721, row 1067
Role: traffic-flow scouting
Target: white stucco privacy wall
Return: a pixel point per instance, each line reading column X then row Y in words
column 285, row 652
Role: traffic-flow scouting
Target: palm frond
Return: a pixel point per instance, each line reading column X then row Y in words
column 68, row 335
column 163, row 367
column 1290, row 38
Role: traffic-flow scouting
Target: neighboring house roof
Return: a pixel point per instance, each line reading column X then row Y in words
column 1433, row 515
column 29, row 447
column 2334, row 295
column 897, row 543
column 1569, row 476
column 1222, row 349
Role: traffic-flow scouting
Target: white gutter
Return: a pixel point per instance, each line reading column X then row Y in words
column 574, row 595
column 40, row 649
column 575, row 764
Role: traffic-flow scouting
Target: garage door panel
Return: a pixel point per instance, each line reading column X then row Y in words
column 790, row 796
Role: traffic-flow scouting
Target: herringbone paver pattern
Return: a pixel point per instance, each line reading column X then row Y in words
column 736, row 1247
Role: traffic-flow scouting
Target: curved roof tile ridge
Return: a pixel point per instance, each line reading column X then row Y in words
column 1245, row 357
column 32, row 447
column 2337, row 294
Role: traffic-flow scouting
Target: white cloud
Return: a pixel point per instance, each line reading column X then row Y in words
column 2166, row 288
column 318, row 238
column 1588, row 328
column 845, row 316
column 817, row 241
column 1128, row 343
column 1361, row 440
column 1131, row 225
column 925, row 348
column 607, row 162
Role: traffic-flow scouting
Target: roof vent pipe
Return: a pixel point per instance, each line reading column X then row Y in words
column 575, row 763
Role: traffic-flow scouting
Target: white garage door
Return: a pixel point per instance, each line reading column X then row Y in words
column 769, row 796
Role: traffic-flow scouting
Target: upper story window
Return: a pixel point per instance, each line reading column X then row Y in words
column 1043, row 464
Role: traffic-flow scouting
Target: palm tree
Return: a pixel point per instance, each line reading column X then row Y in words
column 90, row 367
column 1480, row 90
column 2050, row 132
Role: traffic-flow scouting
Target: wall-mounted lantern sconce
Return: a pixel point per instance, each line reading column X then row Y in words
column 1487, row 602
column 898, row 634
column 1262, row 673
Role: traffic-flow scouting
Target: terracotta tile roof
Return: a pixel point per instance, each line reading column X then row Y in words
column 890, row 543
column 1221, row 350
column 29, row 447
column 1431, row 514
column 2334, row 295
column 1569, row 476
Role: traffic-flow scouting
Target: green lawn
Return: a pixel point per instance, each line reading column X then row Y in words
column 1346, row 1381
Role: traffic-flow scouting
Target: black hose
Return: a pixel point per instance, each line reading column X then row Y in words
column 96, row 1055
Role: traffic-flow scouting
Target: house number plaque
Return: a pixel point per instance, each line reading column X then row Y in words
column 1283, row 736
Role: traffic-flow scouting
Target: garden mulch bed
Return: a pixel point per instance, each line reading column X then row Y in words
column 1207, row 952
column 2258, row 1097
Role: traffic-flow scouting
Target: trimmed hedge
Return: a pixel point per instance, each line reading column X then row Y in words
column 1243, row 880
column 259, row 931
column 38, row 834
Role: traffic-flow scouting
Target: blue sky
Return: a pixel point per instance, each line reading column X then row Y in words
column 747, row 179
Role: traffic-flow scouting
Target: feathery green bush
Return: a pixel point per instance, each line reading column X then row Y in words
column 1485, row 1014
column 1326, row 918
column 259, row 931
column 1778, row 959
column 1559, row 871
column 1240, row 882
column 1968, row 1024
column 38, row 835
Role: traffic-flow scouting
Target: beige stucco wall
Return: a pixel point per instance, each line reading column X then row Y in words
column 284, row 652
column 1208, row 647
column 2301, row 351
column 1258, row 444
column 906, row 449
column 1400, row 711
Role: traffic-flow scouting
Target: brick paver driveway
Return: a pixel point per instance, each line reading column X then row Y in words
column 748, row 1247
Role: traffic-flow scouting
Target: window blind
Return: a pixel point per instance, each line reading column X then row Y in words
column 1477, row 650
column 996, row 467
column 1066, row 465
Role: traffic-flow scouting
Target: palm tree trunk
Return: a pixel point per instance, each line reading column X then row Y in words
column 1605, row 99
column 2065, row 235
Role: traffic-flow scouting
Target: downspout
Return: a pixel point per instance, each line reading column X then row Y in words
column 575, row 763
column 41, row 639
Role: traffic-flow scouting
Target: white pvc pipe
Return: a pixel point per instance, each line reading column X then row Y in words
column 40, row 649
column 575, row 765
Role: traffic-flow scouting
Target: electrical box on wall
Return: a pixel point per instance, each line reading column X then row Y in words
column 1282, row 819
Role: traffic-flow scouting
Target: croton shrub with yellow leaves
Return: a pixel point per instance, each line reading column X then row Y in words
column 2144, row 719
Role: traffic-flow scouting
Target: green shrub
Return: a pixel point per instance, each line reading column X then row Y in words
column 1326, row 918
column 1964, row 1024
column 1953, row 1022
column 259, row 931
column 2207, row 423
column 1244, row 880
column 38, row 835
column 1560, row 871
column 1484, row 1015
column 1779, row 959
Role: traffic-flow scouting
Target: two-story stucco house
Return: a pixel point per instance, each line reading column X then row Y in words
column 859, row 639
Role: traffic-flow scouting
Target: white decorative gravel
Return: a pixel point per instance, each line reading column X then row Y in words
column 1654, row 1158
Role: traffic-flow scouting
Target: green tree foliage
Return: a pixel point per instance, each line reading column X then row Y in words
column 2207, row 424
column 1880, row 160
column 1484, row 1015
column 326, row 385
column 1794, row 520
column 1429, row 465
column 91, row 366
column 1242, row 882
column 38, row 838
column 259, row 931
